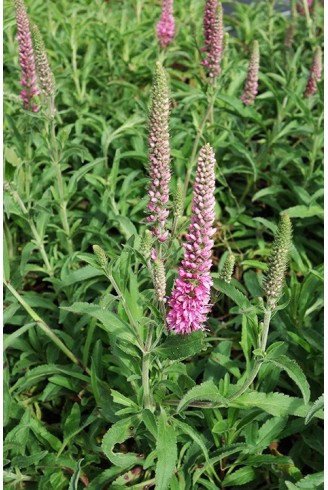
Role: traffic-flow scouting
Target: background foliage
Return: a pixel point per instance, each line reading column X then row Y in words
column 269, row 160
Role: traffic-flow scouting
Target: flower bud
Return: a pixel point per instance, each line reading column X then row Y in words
column 278, row 261
column 159, row 279
column 178, row 200
column 101, row 256
column 228, row 267
column 146, row 244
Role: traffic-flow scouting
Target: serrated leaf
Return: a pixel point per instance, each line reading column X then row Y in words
column 206, row 391
column 118, row 433
column 178, row 347
column 269, row 431
column 276, row 404
column 310, row 482
column 166, row 448
column 240, row 477
column 294, row 372
column 317, row 405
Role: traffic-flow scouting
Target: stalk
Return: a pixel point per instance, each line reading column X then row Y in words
column 145, row 370
column 258, row 363
column 196, row 143
column 60, row 186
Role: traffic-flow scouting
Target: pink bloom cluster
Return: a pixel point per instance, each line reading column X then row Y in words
column 315, row 73
column 159, row 155
column 165, row 27
column 250, row 89
column 213, row 37
column 190, row 299
column 26, row 57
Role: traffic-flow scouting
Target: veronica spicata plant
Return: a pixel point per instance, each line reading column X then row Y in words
column 161, row 329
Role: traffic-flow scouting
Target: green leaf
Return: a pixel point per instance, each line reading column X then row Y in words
column 317, row 405
column 206, row 391
column 302, row 211
column 310, row 482
column 72, row 422
column 269, row 431
column 239, row 477
column 276, row 404
column 80, row 275
column 118, row 433
column 166, row 448
column 111, row 322
column 294, row 372
column 74, row 481
column 178, row 347
column 190, row 431
column 233, row 293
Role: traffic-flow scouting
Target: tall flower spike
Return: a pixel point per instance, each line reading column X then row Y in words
column 250, row 89
column 213, row 37
column 288, row 42
column 159, row 155
column 278, row 261
column 166, row 28
column 315, row 73
column 26, row 58
column 45, row 75
column 190, row 299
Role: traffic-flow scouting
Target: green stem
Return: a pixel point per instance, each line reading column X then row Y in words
column 145, row 370
column 196, row 143
column 88, row 340
column 258, row 363
column 126, row 308
column 308, row 17
column 60, row 185
column 45, row 328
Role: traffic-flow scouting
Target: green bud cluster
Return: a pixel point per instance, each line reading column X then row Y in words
column 178, row 200
column 101, row 255
column 159, row 279
column 46, row 78
column 146, row 244
column 228, row 267
column 278, row 261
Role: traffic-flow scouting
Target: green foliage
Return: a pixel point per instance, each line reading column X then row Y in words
column 96, row 395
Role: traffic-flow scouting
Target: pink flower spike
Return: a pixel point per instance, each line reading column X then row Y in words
column 26, row 58
column 213, row 37
column 250, row 89
column 165, row 28
column 315, row 73
column 190, row 299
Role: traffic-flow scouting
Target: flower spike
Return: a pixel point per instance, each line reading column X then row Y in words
column 190, row 299
column 159, row 155
column 250, row 89
column 30, row 88
column 165, row 28
column 213, row 37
